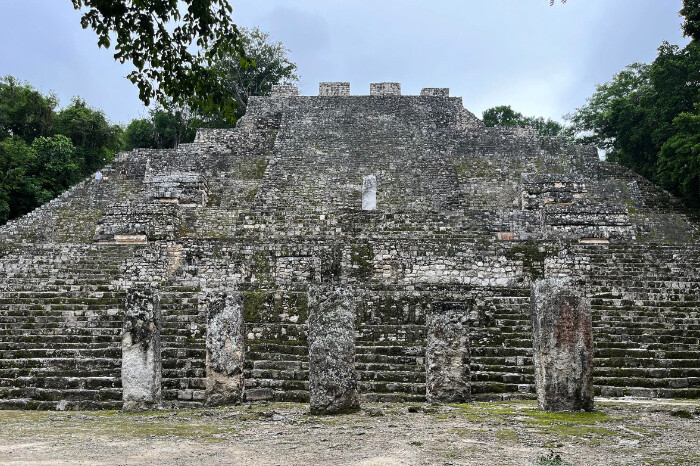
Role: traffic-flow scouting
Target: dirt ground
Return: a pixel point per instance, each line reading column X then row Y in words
column 511, row 432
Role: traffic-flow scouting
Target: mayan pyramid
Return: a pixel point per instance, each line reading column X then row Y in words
column 408, row 205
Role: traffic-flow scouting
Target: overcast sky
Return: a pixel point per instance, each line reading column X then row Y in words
column 541, row 60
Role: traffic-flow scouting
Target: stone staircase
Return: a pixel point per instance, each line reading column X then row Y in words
column 646, row 319
column 60, row 328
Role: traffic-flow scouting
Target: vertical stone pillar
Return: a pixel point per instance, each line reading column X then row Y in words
column 141, row 361
column 369, row 192
column 332, row 377
column 225, row 348
column 447, row 354
column 562, row 339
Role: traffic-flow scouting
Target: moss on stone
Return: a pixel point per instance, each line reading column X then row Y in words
column 532, row 255
column 362, row 257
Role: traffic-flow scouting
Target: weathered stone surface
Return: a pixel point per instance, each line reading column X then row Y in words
column 447, row 353
column 284, row 90
column 332, row 377
column 562, row 338
column 274, row 204
column 369, row 192
column 225, row 348
column 435, row 92
column 334, row 89
column 385, row 89
column 141, row 359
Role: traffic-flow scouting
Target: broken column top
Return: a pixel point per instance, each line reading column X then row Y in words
column 385, row 89
column 284, row 90
column 342, row 89
column 328, row 89
column 435, row 92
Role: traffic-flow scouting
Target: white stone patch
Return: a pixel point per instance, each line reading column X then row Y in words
column 369, row 192
column 130, row 239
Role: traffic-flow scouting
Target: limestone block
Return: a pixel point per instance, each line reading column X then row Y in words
column 369, row 192
column 334, row 89
column 447, row 354
column 141, row 359
column 225, row 348
column 332, row 377
column 435, row 91
column 385, row 89
column 562, row 338
column 284, row 90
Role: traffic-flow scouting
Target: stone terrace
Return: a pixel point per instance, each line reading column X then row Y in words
column 464, row 214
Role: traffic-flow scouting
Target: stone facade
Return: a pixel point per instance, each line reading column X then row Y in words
column 267, row 211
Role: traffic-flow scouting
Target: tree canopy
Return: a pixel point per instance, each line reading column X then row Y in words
column 270, row 65
column 644, row 117
column 171, row 44
column 43, row 152
column 504, row 115
column 170, row 124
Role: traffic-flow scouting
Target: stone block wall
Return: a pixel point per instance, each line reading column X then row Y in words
column 381, row 89
column 334, row 89
column 283, row 213
column 435, row 92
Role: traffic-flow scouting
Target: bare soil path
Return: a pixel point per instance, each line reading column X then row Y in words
column 499, row 433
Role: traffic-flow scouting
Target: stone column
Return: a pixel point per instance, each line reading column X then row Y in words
column 562, row 339
column 332, row 377
column 225, row 348
column 447, row 354
column 369, row 192
column 141, row 361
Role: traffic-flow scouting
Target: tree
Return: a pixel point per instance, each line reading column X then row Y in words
column 171, row 44
column 17, row 189
column 645, row 116
column 94, row 138
column 24, row 112
column 42, row 153
column 140, row 133
column 175, row 123
column 56, row 166
column 691, row 14
column 505, row 116
column 679, row 159
column 619, row 119
column 270, row 65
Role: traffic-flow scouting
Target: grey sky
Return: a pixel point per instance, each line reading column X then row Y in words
column 542, row 60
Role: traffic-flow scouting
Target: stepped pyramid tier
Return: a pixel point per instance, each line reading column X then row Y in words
column 456, row 217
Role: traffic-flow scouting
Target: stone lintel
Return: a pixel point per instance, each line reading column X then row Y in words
column 130, row 239
column 594, row 241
